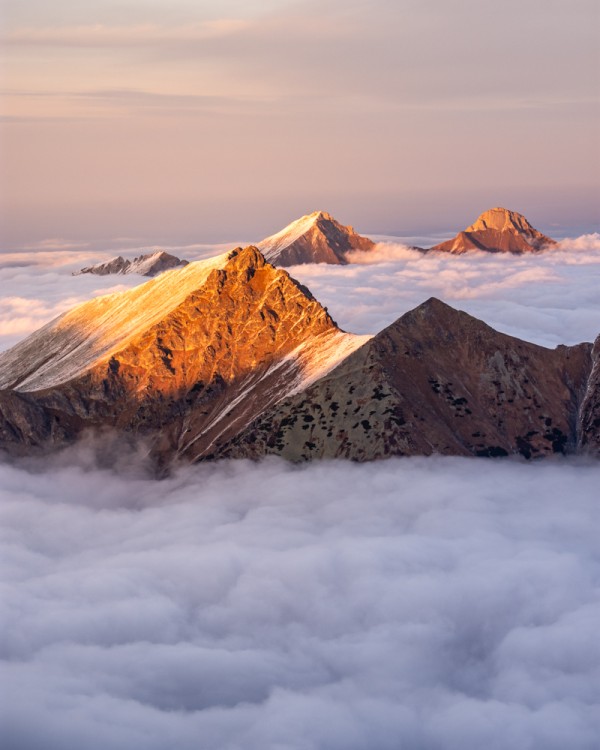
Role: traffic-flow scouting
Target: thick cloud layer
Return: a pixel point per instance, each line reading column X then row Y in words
column 419, row 603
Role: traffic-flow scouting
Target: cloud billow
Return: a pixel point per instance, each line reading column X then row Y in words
column 409, row 603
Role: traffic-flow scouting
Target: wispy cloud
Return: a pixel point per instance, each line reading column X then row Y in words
column 372, row 103
column 101, row 35
column 107, row 103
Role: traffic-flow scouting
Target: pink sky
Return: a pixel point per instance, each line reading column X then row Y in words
column 226, row 120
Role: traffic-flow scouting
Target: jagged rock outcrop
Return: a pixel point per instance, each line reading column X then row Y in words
column 435, row 381
column 315, row 238
column 150, row 264
column 497, row 231
column 186, row 360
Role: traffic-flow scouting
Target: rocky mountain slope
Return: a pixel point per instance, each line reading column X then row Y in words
column 497, row 231
column 233, row 358
column 184, row 360
column 315, row 238
column 150, row 264
column 435, row 381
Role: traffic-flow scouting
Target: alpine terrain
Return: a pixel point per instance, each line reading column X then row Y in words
column 150, row 264
column 315, row 238
column 438, row 381
column 497, row 231
column 186, row 360
column 231, row 357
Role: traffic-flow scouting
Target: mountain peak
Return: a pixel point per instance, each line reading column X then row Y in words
column 497, row 230
column 501, row 219
column 244, row 258
column 437, row 380
column 187, row 358
column 150, row 264
column 314, row 238
column 321, row 215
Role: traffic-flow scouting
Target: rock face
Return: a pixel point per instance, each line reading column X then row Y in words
column 497, row 231
column 315, row 238
column 436, row 381
column 146, row 265
column 233, row 358
column 185, row 361
column 589, row 422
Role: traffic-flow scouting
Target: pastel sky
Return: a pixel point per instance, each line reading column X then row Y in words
column 214, row 121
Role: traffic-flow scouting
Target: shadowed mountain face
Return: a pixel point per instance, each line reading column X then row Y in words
column 497, row 231
column 146, row 265
column 435, row 381
column 315, row 238
column 232, row 357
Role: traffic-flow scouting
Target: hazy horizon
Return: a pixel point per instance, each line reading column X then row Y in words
column 218, row 121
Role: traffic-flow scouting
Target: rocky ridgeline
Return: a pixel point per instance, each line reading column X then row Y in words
column 146, row 265
column 233, row 357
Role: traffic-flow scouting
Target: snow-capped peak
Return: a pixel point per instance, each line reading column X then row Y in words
column 145, row 265
column 272, row 246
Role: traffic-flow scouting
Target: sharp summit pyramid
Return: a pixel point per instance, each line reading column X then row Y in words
column 314, row 238
column 497, row 230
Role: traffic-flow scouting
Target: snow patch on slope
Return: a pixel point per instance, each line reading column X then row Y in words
column 304, row 365
column 95, row 330
column 145, row 264
column 319, row 356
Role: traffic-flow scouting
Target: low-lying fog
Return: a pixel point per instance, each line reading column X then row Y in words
column 429, row 604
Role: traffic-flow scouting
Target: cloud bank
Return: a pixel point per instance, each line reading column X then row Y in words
column 407, row 603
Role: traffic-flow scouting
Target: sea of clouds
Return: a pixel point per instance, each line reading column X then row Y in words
column 425, row 603
column 415, row 603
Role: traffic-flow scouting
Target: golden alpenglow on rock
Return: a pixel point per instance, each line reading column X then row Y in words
column 185, row 360
column 497, row 231
column 315, row 238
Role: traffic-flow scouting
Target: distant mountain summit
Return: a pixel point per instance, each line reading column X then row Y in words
column 315, row 238
column 150, row 264
column 497, row 231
